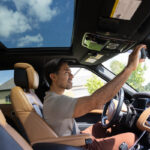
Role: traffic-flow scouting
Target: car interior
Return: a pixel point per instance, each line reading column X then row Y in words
column 99, row 31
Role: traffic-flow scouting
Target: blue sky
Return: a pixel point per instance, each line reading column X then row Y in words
column 6, row 75
column 36, row 23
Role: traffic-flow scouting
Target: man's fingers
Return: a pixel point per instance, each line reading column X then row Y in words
column 137, row 50
column 142, row 60
column 139, row 47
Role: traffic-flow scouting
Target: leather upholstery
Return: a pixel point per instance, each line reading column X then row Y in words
column 11, row 136
column 2, row 119
column 32, row 76
column 142, row 122
column 35, row 127
column 52, row 146
column 23, row 101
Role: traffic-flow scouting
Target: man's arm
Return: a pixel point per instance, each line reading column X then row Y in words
column 108, row 91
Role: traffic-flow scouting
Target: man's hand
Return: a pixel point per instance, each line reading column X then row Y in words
column 134, row 60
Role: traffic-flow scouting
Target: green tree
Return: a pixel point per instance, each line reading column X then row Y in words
column 147, row 87
column 116, row 66
column 136, row 79
column 93, row 83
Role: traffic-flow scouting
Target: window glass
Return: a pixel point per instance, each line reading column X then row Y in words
column 84, row 82
column 139, row 79
column 39, row 23
column 6, row 84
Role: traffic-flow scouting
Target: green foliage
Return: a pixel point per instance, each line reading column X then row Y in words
column 136, row 79
column 116, row 66
column 94, row 83
column 147, row 87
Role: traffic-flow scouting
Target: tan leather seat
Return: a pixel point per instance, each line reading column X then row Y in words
column 28, row 109
column 9, row 138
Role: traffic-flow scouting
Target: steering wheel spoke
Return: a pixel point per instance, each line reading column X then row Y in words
column 104, row 119
column 115, row 109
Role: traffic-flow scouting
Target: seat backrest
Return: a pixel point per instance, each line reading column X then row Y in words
column 26, row 104
column 9, row 138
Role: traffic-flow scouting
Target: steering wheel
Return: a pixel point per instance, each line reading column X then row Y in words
column 110, row 105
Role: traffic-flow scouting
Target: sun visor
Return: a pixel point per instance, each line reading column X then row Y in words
column 125, row 9
column 124, row 19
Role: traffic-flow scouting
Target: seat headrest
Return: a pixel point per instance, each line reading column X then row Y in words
column 2, row 119
column 25, row 76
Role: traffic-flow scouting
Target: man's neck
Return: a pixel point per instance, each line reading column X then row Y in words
column 57, row 90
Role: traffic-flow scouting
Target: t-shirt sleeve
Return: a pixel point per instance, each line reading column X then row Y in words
column 63, row 106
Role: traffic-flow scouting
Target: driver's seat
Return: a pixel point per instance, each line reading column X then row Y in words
column 28, row 109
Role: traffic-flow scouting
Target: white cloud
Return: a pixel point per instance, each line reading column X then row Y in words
column 30, row 39
column 37, row 8
column 12, row 22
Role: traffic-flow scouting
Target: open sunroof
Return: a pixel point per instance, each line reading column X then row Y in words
column 36, row 23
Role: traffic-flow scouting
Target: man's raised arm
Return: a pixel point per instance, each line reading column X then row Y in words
column 109, row 90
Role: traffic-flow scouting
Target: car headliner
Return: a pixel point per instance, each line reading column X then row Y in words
column 94, row 17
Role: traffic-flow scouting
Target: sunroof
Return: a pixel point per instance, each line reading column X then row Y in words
column 36, row 23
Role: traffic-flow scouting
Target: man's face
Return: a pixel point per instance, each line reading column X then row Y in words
column 64, row 77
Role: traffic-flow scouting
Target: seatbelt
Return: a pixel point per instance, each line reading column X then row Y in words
column 133, row 147
column 124, row 146
column 37, row 109
column 74, row 128
column 33, row 102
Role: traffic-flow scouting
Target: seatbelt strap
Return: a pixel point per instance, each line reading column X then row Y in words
column 37, row 109
column 74, row 129
column 133, row 147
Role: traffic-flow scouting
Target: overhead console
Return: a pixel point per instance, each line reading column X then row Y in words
column 103, row 44
column 110, row 27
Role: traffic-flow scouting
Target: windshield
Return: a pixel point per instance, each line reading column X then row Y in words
column 139, row 79
column 36, row 23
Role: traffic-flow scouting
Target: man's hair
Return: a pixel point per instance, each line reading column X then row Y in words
column 53, row 66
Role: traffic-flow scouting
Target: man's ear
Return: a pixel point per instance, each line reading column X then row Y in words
column 52, row 76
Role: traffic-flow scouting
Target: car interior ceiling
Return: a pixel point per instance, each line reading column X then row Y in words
column 91, row 16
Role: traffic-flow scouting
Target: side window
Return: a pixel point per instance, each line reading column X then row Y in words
column 84, row 82
column 139, row 79
column 6, row 84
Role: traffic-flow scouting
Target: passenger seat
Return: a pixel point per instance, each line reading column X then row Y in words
column 9, row 138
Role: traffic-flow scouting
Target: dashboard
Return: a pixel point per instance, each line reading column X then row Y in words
column 141, row 105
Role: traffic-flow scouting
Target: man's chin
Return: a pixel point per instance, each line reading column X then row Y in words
column 69, row 87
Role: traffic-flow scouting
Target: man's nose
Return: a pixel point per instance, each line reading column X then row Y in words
column 71, row 75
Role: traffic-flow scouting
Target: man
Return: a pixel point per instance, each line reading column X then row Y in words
column 60, row 110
